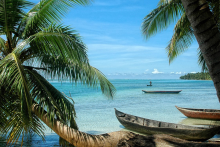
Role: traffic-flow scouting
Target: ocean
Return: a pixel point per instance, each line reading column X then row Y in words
column 95, row 112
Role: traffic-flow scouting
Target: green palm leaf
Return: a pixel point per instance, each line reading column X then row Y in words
column 202, row 62
column 49, row 11
column 55, row 41
column 12, row 74
column 161, row 17
column 50, row 98
column 167, row 12
column 12, row 122
column 16, row 126
column 36, row 45
column 11, row 13
column 57, row 67
column 3, row 49
column 182, row 38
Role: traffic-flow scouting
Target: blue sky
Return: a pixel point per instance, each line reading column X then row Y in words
column 111, row 29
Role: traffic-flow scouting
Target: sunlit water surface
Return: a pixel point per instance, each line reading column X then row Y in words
column 95, row 112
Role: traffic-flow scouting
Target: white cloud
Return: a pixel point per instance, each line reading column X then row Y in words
column 178, row 73
column 156, row 71
column 171, row 72
column 119, row 74
column 193, row 72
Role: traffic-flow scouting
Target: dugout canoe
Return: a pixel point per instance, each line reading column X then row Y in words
column 148, row 126
column 213, row 114
column 176, row 91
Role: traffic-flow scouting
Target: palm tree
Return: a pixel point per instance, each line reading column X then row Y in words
column 207, row 34
column 33, row 44
column 168, row 12
column 112, row 139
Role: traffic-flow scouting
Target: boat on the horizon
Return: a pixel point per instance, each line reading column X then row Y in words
column 148, row 126
column 167, row 91
column 213, row 114
column 149, row 85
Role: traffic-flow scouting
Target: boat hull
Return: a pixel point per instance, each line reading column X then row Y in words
column 148, row 126
column 178, row 91
column 200, row 113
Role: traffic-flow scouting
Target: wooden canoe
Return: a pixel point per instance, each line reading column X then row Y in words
column 200, row 113
column 177, row 91
column 148, row 126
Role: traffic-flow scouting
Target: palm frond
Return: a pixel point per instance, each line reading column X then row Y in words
column 12, row 74
column 182, row 38
column 106, row 86
column 13, row 125
column 55, row 41
column 51, row 99
column 3, row 49
column 84, row 73
column 201, row 61
column 4, row 109
column 16, row 127
column 47, row 12
column 66, row 40
column 11, row 13
column 34, row 39
column 161, row 17
column 214, row 7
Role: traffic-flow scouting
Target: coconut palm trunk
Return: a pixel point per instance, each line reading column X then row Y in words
column 207, row 35
column 113, row 139
column 81, row 139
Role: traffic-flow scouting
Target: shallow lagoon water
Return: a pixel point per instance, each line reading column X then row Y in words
column 95, row 112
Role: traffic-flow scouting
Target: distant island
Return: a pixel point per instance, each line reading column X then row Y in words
column 196, row 76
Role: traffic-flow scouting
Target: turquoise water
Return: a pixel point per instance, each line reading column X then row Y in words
column 95, row 113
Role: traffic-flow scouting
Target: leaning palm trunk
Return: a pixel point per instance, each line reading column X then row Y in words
column 207, row 35
column 113, row 139
column 81, row 139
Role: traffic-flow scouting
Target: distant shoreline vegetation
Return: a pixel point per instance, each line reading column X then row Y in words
column 196, row 76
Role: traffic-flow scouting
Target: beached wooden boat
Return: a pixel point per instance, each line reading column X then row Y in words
column 176, row 91
column 148, row 126
column 200, row 113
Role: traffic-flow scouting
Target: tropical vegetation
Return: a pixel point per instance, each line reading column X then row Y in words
column 201, row 24
column 206, row 30
column 196, row 76
column 34, row 45
column 172, row 11
column 207, row 34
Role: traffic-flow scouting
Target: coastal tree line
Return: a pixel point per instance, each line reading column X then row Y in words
column 196, row 76
column 27, row 99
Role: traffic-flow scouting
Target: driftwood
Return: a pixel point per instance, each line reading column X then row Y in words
column 162, row 141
